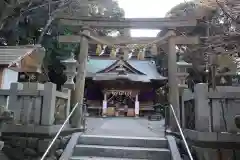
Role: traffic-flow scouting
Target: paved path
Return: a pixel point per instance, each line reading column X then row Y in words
column 125, row 127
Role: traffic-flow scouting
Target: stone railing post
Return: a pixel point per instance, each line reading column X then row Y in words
column 13, row 102
column 187, row 95
column 202, row 110
column 67, row 91
column 49, row 100
column 32, row 107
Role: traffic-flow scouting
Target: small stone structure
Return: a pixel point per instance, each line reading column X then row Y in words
column 37, row 108
column 208, row 120
column 37, row 112
column 222, row 105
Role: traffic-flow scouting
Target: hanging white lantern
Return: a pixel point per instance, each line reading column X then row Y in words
column 71, row 67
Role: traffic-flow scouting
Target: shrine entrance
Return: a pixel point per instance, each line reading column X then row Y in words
column 120, row 102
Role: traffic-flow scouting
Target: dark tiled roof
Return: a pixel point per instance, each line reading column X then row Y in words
column 147, row 67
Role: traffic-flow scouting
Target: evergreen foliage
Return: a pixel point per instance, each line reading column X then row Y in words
column 33, row 21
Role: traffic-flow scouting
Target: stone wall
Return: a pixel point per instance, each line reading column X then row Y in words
column 216, row 154
column 215, row 135
column 32, row 148
column 214, row 110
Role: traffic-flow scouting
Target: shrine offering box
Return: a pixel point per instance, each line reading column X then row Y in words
column 131, row 113
column 111, row 111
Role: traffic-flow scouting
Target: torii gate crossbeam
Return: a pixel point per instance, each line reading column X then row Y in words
column 138, row 23
column 128, row 40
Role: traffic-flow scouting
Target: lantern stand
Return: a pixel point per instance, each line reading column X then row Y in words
column 182, row 73
column 70, row 71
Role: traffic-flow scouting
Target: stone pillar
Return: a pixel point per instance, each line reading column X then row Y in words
column 182, row 109
column 13, row 101
column 78, row 93
column 34, row 109
column 202, row 109
column 104, row 106
column 49, row 101
column 136, row 107
column 173, row 82
column 187, row 95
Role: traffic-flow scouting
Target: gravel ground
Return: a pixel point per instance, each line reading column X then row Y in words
column 122, row 126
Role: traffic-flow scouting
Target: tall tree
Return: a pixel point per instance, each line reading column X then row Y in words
column 24, row 22
column 218, row 30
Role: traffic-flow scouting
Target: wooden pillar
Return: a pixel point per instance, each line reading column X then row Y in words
column 136, row 106
column 173, row 82
column 104, row 105
column 78, row 94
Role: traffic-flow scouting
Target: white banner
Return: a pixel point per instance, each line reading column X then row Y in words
column 136, row 108
column 104, row 107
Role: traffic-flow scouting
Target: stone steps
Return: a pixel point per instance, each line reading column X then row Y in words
column 101, row 158
column 148, row 142
column 116, row 147
column 121, row 152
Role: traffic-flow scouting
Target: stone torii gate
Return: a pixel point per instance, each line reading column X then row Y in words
column 84, row 38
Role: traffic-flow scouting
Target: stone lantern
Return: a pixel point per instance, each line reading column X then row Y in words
column 71, row 68
column 182, row 73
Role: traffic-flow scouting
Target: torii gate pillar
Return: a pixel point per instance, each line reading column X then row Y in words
column 78, row 93
column 173, row 82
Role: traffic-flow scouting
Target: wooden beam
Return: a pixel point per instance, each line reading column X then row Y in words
column 186, row 40
column 114, row 40
column 129, row 40
column 140, row 23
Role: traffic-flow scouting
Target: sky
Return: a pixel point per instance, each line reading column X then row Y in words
column 146, row 9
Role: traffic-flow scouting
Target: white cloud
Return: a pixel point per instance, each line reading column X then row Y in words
column 146, row 9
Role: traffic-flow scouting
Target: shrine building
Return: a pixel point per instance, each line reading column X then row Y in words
column 115, row 87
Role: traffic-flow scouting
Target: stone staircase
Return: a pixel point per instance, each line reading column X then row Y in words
column 96, row 147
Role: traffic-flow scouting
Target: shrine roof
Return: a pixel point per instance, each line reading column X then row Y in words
column 95, row 65
column 147, row 67
column 25, row 58
column 9, row 54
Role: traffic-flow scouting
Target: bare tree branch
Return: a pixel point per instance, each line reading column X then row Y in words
column 51, row 18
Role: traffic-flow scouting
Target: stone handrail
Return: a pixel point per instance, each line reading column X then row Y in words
column 180, row 130
column 60, row 130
